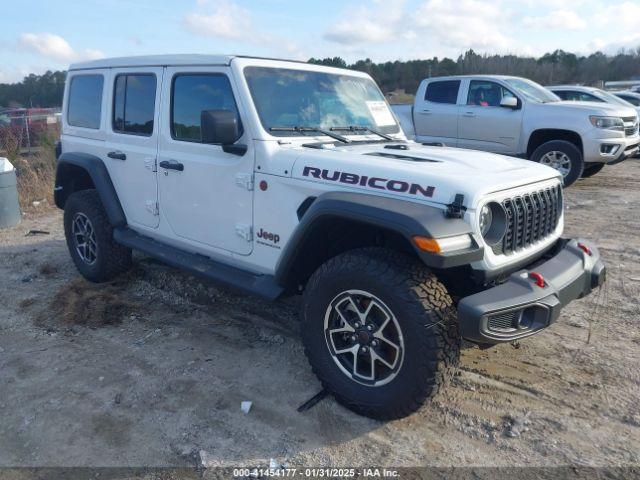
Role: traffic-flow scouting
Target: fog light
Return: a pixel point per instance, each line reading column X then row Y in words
column 609, row 149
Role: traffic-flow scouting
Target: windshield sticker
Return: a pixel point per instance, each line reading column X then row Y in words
column 381, row 114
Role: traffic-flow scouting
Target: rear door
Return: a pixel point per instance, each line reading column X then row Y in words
column 131, row 147
column 484, row 124
column 435, row 113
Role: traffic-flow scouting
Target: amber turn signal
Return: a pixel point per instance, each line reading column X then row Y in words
column 427, row 244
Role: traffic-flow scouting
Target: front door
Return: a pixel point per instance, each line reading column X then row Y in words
column 485, row 125
column 131, row 145
column 205, row 193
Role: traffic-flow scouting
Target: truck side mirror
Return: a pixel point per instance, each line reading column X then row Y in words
column 219, row 127
column 509, row 102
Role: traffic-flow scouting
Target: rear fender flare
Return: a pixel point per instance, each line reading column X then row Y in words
column 68, row 164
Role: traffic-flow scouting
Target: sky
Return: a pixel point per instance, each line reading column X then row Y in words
column 40, row 35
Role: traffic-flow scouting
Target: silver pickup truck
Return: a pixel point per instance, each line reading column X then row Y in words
column 515, row 116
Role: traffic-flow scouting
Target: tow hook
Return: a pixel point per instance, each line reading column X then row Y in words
column 538, row 278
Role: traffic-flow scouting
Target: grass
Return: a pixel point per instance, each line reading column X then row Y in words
column 36, row 177
column 36, row 172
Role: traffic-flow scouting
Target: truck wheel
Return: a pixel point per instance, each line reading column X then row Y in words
column 90, row 238
column 380, row 331
column 591, row 169
column 563, row 156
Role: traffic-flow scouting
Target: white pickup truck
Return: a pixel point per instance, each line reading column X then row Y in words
column 515, row 116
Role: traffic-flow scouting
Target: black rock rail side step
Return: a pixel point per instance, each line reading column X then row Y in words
column 261, row 285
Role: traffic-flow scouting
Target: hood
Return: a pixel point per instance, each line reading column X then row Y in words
column 592, row 108
column 421, row 173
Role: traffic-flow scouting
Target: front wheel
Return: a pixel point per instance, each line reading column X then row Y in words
column 380, row 331
column 563, row 156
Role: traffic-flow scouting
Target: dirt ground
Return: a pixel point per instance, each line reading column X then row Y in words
column 151, row 370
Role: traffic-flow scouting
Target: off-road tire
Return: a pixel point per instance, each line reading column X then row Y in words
column 424, row 311
column 112, row 259
column 569, row 149
column 590, row 169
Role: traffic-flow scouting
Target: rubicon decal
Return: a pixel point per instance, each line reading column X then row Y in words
column 371, row 182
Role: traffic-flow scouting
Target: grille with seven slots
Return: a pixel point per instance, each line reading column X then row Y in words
column 530, row 218
column 630, row 126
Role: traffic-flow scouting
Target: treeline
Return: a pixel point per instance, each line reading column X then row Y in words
column 552, row 68
column 34, row 91
column 558, row 67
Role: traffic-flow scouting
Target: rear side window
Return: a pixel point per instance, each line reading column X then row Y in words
column 191, row 95
column 445, row 91
column 85, row 101
column 134, row 102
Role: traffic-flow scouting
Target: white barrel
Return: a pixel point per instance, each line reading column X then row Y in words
column 9, row 206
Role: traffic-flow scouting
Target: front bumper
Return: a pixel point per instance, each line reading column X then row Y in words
column 519, row 307
column 595, row 149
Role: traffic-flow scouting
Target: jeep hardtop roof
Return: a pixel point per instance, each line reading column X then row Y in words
column 180, row 60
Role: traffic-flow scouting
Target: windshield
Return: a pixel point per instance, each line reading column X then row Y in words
column 532, row 90
column 611, row 98
column 317, row 100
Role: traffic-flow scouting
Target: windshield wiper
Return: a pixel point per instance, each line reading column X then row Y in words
column 303, row 130
column 356, row 128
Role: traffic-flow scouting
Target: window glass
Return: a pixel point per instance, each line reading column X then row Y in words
column 85, row 101
column 532, row 91
column 193, row 94
column 587, row 97
column 443, row 92
column 487, row 94
column 575, row 96
column 134, row 102
column 611, row 98
column 290, row 98
column 633, row 100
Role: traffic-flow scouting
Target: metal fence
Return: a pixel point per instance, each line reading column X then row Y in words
column 25, row 130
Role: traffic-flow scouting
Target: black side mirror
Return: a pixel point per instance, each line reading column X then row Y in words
column 219, row 127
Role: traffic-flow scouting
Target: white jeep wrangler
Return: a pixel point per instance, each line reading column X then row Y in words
column 281, row 178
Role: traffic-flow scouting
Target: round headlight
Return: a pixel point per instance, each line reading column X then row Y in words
column 492, row 221
column 486, row 217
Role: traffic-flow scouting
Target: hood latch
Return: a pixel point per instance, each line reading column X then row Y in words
column 456, row 209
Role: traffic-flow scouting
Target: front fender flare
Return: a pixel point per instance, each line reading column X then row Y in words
column 403, row 217
column 97, row 171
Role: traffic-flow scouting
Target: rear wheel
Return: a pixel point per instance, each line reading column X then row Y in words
column 563, row 156
column 591, row 169
column 380, row 331
column 90, row 238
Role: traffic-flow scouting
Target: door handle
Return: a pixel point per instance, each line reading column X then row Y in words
column 468, row 114
column 172, row 165
column 117, row 155
column 425, row 112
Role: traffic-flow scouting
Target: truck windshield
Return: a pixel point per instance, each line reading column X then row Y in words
column 532, row 90
column 317, row 100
